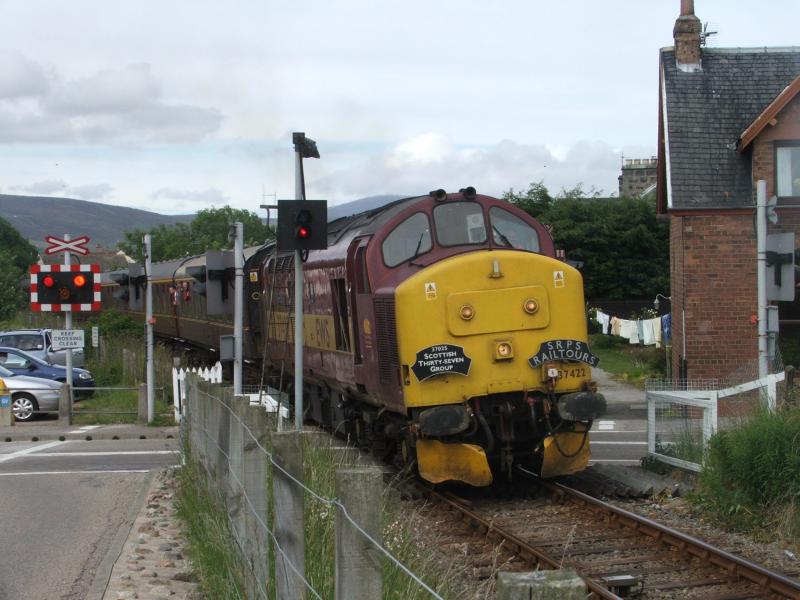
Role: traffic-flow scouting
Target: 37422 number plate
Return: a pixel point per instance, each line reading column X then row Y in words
column 570, row 371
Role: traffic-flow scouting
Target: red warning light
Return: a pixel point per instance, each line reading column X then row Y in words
column 79, row 280
column 48, row 281
column 303, row 232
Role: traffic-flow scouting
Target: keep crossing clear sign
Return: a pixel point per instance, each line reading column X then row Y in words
column 66, row 339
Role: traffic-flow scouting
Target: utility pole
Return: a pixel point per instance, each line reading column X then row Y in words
column 238, row 309
column 68, row 325
column 761, row 242
column 149, row 321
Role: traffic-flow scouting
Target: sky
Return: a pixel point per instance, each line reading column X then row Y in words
column 175, row 106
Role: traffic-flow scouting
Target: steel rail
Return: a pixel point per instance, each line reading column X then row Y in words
column 519, row 545
column 734, row 565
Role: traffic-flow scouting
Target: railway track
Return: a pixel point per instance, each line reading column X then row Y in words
column 618, row 553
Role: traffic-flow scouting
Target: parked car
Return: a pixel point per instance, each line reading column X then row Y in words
column 20, row 362
column 39, row 343
column 30, row 395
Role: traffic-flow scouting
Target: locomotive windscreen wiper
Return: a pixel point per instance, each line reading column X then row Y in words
column 503, row 238
column 419, row 245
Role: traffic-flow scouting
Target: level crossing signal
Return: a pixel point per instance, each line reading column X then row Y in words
column 68, row 288
column 302, row 224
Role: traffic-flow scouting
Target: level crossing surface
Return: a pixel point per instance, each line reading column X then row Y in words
column 66, row 507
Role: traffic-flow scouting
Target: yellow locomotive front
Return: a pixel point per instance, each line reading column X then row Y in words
column 495, row 366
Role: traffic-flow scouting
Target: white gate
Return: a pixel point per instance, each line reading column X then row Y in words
column 682, row 416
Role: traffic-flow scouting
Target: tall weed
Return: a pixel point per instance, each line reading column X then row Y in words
column 752, row 473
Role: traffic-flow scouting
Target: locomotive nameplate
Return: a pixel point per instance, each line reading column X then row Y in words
column 443, row 359
column 553, row 350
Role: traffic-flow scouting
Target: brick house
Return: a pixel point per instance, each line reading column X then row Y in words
column 727, row 118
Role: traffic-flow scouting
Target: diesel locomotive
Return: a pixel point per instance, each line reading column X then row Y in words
column 439, row 330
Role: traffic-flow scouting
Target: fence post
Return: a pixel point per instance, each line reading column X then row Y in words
column 562, row 584
column 235, row 497
column 359, row 572
column 288, row 496
column 142, row 412
column 255, row 484
column 64, row 412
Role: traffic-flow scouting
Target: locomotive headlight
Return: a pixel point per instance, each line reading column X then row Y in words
column 530, row 306
column 552, row 371
column 503, row 350
column 466, row 312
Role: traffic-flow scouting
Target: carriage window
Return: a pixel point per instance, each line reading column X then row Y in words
column 409, row 239
column 512, row 232
column 459, row 223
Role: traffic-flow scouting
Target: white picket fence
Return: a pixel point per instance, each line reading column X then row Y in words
column 272, row 400
column 211, row 374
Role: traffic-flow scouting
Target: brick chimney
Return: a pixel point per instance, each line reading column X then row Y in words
column 687, row 32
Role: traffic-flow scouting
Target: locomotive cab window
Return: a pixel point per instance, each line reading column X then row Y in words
column 459, row 223
column 510, row 231
column 409, row 239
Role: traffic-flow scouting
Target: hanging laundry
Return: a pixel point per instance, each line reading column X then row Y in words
column 666, row 328
column 649, row 326
column 657, row 331
column 634, row 339
column 604, row 320
column 616, row 324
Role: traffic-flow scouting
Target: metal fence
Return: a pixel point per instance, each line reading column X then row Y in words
column 682, row 415
column 258, row 475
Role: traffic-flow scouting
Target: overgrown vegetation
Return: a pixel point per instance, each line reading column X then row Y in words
column 222, row 577
column 207, row 231
column 210, row 546
column 628, row 362
column 16, row 256
column 623, row 247
column 751, row 478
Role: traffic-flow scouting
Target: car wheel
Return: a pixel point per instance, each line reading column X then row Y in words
column 24, row 407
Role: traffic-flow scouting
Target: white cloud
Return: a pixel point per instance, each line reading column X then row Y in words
column 432, row 160
column 107, row 92
column 210, row 196
column 21, row 77
column 111, row 106
column 58, row 187
column 96, row 191
column 46, row 187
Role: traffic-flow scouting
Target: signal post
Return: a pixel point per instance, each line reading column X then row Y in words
column 66, row 288
column 302, row 226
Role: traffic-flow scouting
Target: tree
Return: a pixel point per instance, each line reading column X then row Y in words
column 623, row 247
column 16, row 256
column 535, row 201
column 207, row 231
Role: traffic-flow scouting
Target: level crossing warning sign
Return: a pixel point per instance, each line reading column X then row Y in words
column 65, row 288
column 78, row 245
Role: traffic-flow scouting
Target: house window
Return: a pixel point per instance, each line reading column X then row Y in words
column 787, row 169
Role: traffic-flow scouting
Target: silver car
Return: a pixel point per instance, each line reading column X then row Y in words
column 39, row 343
column 30, row 395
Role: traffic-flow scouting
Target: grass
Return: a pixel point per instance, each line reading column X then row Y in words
column 212, row 548
column 628, row 362
column 210, row 545
column 751, row 479
column 108, row 407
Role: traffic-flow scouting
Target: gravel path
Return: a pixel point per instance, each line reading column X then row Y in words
column 152, row 564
